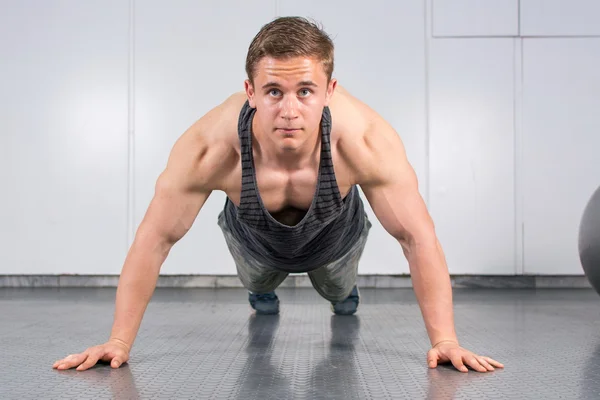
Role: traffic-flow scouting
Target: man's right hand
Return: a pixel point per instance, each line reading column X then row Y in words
column 194, row 169
column 114, row 352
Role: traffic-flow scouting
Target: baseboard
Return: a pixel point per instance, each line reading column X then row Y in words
column 299, row 280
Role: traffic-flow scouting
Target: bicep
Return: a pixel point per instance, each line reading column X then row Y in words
column 400, row 208
column 392, row 190
column 173, row 209
column 179, row 193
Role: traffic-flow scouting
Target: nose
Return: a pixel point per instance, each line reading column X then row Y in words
column 289, row 108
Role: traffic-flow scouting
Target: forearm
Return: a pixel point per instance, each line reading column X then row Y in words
column 136, row 286
column 431, row 283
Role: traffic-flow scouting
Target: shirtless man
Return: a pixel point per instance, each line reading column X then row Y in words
column 272, row 149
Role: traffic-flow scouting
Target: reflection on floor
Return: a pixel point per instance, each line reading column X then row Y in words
column 204, row 343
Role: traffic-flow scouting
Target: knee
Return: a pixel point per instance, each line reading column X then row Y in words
column 333, row 293
column 336, row 298
column 260, row 287
column 260, row 283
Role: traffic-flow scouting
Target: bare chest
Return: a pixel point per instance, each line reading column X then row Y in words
column 286, row 195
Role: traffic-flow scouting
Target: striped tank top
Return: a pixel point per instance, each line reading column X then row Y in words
column 328, row 230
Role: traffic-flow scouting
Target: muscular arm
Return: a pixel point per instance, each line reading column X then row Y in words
column 390, row 185
column 180, row 192
column 202, row 160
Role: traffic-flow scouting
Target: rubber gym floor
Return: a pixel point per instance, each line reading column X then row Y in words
column 205, row 343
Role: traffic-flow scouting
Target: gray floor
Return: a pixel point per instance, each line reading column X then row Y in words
column 203, row 343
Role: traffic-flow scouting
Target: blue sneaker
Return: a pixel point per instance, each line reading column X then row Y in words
column 348, row 306
column 264, row 303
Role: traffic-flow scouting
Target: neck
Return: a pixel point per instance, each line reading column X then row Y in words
column 272, row 153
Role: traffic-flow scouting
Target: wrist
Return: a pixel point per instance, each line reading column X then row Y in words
column 120, row 342
column 445, row 341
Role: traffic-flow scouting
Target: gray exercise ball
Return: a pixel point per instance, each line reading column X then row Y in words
column 589, row 240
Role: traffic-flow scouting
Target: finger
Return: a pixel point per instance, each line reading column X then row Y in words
column 493, row 362
column 62, row 360
column 91, row 360
column 116, row 362
column 72, row 361
column 115, row 358
column 457, row 361
column 486, row 364
column 473, row 362
column 432, row 359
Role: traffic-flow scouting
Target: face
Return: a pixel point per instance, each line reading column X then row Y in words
column 289, row 96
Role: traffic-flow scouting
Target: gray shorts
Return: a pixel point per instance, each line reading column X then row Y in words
column 333, row 281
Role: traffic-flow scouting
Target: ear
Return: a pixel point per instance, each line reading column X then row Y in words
column 330, row 89
column 249, row 89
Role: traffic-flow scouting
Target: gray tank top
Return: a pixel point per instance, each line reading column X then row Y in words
column 330, row 227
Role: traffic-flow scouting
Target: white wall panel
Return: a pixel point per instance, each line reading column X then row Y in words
column 560, row 17
column 380, row 58
column 190, row 56
column 63, row 140
column 561, row 142
column 472, row 153
column 64, row 119
column 475, row 17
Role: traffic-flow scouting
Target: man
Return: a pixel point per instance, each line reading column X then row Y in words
column 290, row 152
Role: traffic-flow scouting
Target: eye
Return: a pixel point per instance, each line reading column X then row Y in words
column 304, row 92
column 274, row 92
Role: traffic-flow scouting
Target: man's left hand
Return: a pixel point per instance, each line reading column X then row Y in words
column 451, row 352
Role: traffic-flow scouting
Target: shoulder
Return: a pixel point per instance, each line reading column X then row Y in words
column 208, row 151
column 368, row 145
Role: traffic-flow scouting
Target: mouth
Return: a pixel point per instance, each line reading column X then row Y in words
column 288, row 130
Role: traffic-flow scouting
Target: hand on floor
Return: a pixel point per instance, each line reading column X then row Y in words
column 114, row 351
column 451, row 352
